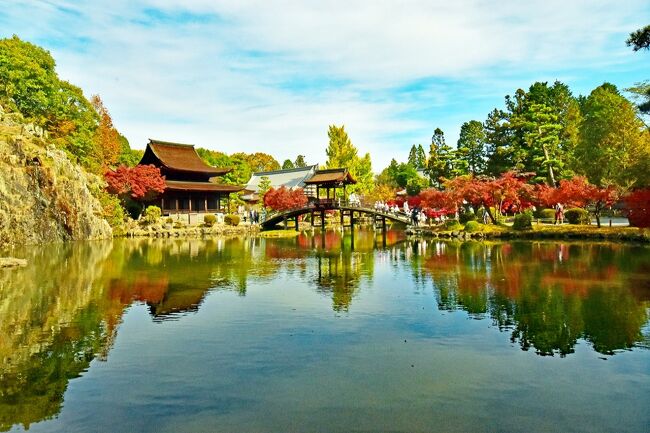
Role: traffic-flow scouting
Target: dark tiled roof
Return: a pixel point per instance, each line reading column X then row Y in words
column 174, row 185
column 183, row 157
column 332, row 175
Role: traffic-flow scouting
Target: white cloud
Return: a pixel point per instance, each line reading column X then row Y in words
column 271, row 76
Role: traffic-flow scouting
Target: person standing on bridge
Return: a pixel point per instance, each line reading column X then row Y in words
column 406, row 207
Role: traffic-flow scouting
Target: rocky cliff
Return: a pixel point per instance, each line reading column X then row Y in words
column 44, row 197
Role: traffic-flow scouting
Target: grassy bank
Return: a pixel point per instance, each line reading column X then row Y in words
column 539, row 231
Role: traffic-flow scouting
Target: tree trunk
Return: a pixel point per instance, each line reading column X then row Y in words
column 487, row 209
column 551, row 175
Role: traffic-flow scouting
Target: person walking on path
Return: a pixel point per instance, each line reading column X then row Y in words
column 559, row 214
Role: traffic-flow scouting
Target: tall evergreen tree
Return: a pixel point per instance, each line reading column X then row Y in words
column 417, row 157
column 471, row 151
column 287, row 164
column 497, row 137
column 639, row 39
column 300, row 161
column 542, row 138
column 412, row 159
column 421, row 158
column 439, row 165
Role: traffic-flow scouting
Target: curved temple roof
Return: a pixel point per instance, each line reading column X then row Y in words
column 331, row 176
column 180, row 157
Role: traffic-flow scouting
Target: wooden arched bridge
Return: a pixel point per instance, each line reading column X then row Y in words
column 317, row 211
column 329, row 181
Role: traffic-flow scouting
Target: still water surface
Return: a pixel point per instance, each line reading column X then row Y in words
column 325, row 334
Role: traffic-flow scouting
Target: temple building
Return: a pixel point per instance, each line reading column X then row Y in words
column 191, row 185
column 291, row 178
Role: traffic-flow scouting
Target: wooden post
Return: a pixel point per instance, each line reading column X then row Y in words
column 297, row 227
column 352, row 220
column 177, row 206
column 312, row 218
column 383, row 224
column 341, row 212
column 162, row 204
column 189, row 213
column 284, row 222
column 322, row 219
column 206, row 203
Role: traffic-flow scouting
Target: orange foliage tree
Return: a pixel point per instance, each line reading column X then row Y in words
column 282, row 198
column 106, row 139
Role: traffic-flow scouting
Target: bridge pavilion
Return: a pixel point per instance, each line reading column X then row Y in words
column 330, row 180
column 191, row 185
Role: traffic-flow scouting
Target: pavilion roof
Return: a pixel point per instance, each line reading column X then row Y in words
column 181, row 157
column 331, row 176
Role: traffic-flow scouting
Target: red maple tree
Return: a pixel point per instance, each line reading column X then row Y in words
column 578, row 192
column 141, row 183
column 637, row 207
column 435, row 199
column 282, row 198
column 509, row 192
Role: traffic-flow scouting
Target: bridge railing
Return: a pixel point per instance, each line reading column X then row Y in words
column 332, row 204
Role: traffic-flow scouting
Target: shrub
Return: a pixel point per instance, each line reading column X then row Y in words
column 523, row 221
column 179, row 225
column 452, row 225
column 547, row 214
column 472, row 226
column 169, row 220
column 576, row 215
column 232, row 220
column 209, row 220
column 466, row 216
column 151, row 214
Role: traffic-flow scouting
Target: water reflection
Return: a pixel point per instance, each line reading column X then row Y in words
column 549, row 295
column 64, row 309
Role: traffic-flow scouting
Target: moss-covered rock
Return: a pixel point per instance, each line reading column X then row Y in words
column 44, row 197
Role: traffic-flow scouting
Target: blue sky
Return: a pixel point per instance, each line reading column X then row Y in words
column 271, row 76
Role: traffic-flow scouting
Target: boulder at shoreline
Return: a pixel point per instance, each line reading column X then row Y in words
column 12, row 262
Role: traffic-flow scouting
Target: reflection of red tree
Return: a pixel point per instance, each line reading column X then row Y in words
column 275, row 251
column 508, row 280
column 304, row 241
column 581, row 278
column 142, row 287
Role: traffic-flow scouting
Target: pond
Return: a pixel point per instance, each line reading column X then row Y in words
column 326, row 333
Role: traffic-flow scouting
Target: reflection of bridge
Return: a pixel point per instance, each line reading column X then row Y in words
column 318, row 209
